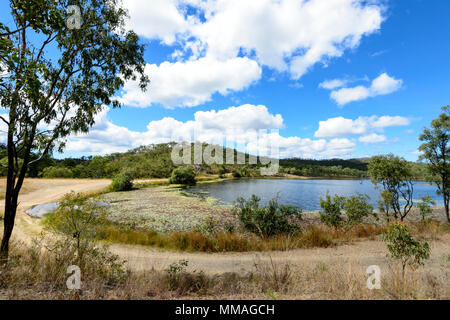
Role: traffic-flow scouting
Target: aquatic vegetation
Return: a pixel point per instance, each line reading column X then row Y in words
column 162, row 209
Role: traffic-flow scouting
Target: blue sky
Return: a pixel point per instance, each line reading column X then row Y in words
column 268, row 59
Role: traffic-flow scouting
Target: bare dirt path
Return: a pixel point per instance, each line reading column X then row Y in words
column 359, row 254
column 41, row 191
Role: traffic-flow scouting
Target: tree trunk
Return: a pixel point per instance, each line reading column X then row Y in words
column 446, row 200
column 13, row 186
column 8, row 222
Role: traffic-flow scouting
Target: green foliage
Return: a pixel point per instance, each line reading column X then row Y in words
column 183, row 175
column 404, row 248
column 122, row 182
column 61, row 76
column 357, row 208
column 177, row 268
column 324, row 168
column 394, row 175
column 57, row 172
column 236, row 174
column 436, row 152
column 4, row 166
column 77, row 219
column 385, row 204
column 266, row 221
column 425, row 206
column 331, row 210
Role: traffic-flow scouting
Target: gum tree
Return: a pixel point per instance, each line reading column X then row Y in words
column 394, row 175
column 60, row 64
column 436, row 151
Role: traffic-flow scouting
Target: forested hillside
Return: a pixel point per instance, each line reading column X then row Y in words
column 154, row 161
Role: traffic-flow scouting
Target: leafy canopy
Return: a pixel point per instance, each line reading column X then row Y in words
column 331, row 210
column 357, row 208
column 395, row 176
column 55, row 79
column 403, row 247
column 436, row 151
column 266, row 221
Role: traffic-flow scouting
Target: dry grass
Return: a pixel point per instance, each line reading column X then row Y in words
column 312, row 236
column 33, row 274
column 193, row 241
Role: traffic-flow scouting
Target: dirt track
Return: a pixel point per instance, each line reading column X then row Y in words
column 360, row 254
column 40, row 191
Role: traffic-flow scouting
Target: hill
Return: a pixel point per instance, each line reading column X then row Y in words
column 154, row 161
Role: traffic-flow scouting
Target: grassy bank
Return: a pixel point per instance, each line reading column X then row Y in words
column 312, row 236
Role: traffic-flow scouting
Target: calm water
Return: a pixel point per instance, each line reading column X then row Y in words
column 303, row 193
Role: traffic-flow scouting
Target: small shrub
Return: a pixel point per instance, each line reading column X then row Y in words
column 266, row 221
column 76, row 218
column 183, row 175
column 425, row 206
column 236, row 174
column 357, row 208
column 332, row 207
column 386, row 203
column 122, row 182
column 182, row 282
column 404, row 248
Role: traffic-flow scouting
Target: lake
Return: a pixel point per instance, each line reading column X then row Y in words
column 302, row 193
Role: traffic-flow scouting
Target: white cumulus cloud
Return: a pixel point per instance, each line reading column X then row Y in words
column 212, row 39
column 191, row 83
column 333, row 84
column 341, row 127
column 373, row 138
column 382, row 85
column 249, row 125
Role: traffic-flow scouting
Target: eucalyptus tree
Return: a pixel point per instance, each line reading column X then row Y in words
column 61, row 63
column 436, row 151
column 395, row 176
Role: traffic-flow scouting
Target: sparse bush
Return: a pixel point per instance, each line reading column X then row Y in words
column 386, row 203
column 357, row 208
column 183, row 175
column 425, row 206
column 332, row 208
column 276, row 277
column 76, row 218
column 122, row 182
column 57, row 172
column 174, row 273
column 266, row 221
column 404, row 248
